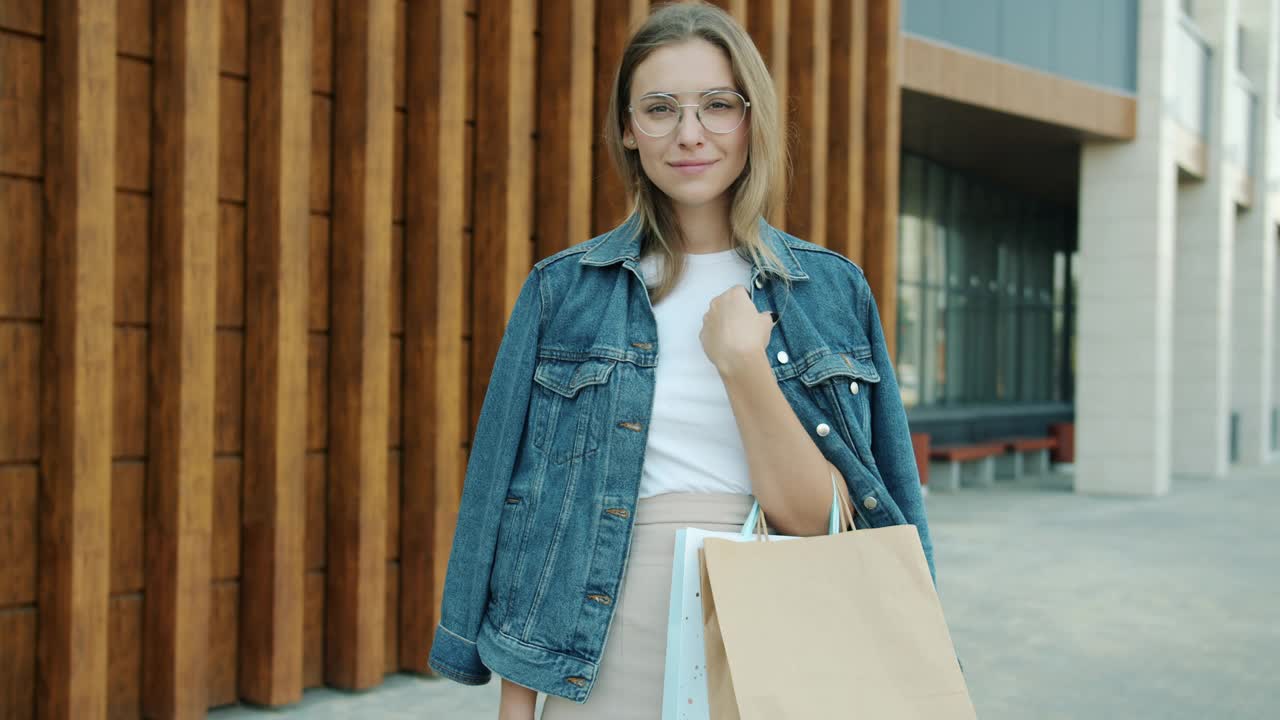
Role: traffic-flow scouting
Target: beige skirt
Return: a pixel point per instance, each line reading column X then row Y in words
column 629, row 683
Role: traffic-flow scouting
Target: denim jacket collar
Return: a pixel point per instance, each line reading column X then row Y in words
column 623, row 243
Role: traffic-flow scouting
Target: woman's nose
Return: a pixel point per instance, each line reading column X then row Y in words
column 689, row 131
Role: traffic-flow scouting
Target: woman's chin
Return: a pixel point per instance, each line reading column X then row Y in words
column 685, row 195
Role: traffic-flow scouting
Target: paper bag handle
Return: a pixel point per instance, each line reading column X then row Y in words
column 841, row 514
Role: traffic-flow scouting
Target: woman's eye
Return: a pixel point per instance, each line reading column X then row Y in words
column 718, row 105
column 658, row 109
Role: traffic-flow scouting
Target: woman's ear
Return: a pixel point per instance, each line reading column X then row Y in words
column 628, row 139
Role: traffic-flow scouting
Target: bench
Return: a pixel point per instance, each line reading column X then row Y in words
column 1033, row 449
column 973, row 463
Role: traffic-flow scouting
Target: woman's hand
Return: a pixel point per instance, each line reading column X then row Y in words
column 518, row 702
column 734, row 333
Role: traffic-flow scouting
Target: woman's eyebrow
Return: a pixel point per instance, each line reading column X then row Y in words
column 687, row 92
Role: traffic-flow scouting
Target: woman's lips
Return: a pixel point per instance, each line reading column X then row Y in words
column 692, row 167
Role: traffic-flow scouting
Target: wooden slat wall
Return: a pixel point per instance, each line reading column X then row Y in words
column 370, row 214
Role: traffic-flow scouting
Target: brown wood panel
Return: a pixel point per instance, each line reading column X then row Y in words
column 395, row 395
column 18, row 658
column 566, row 78
column 20, row 245
column 736, row 8
column 361, row 266
column 21, row 100
column 845, row 143
column 501, row 254
column 26, row 17
column 322, row 46
column 133, row 128
column 228, row 499
column 318, row 287
column 469, row 68
column 20, row 374
column 133, row 257
column 225, row 625
column 232, row 138
column 884, row 102
column 130, row 392
column 128, row 525
column 321, row 153
column 317, row 391
column 233, row 55
column 397, row 167
column 134, row 21
column 316, row 474
column 399, row 82
column 390, row 662
column 77, row 369
column 313, row 630
column 124, row 680
column 184, row 255
column 439, row 145
column 396, row 286
column 19, row 537
column 275, row 406
column 808, row 87
column 231, row 260
column 228, row 401
column 768, row 23
column 613, row 30
column 395, row 490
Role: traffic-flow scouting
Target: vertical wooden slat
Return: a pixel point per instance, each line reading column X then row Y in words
column 846, row 143
column 183, row 317
column 613, row 30
column 79, row 139
column 884, row 102
column 808, row 72
column 504, row 176
column 768, row 22
column 363, row 123
column 434, row 355
column 736, row 8
column 566, row 73
column 278, row 295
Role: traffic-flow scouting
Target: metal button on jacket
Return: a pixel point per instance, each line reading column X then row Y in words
column 853, row 387
column 759, row 282
column 869, row 502
column 783, row 357
column 823, row 430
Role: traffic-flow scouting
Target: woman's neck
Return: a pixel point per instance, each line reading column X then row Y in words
column 706, row 228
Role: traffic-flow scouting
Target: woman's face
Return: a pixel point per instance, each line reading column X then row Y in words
column 691, row 164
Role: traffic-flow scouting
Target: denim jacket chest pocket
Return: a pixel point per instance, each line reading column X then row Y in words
column 843, row 384
column 568, row 398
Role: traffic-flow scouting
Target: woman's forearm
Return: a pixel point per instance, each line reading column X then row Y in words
column 518, row 702
column 789, row 475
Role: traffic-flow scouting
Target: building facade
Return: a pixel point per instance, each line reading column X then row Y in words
column 1089, row 230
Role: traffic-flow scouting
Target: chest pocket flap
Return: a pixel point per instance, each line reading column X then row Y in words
column 567, row 377
column 855, row 364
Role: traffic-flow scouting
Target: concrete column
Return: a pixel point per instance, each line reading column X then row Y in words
column 1127, row 211
column 1254, row 360
column 1205, row 266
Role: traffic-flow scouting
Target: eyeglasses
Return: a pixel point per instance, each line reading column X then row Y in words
column 720, row 112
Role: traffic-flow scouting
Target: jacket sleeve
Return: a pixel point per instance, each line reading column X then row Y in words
column 891, row 437
column 489, row 468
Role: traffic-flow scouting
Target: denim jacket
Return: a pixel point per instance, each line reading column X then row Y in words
column 551, row 487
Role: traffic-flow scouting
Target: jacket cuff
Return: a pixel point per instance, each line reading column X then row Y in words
column 457, row 658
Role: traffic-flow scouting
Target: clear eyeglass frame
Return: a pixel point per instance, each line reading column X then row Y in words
column 746, row 106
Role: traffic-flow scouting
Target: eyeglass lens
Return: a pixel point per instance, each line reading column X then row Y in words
column 720, row 112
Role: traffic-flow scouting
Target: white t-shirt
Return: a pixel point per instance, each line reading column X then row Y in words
column 693, row 445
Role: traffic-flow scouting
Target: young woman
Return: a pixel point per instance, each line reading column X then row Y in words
column 658, row 377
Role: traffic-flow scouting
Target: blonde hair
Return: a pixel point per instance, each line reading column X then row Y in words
column 756, row 193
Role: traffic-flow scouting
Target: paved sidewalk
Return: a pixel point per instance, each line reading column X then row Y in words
column 1061, row 606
